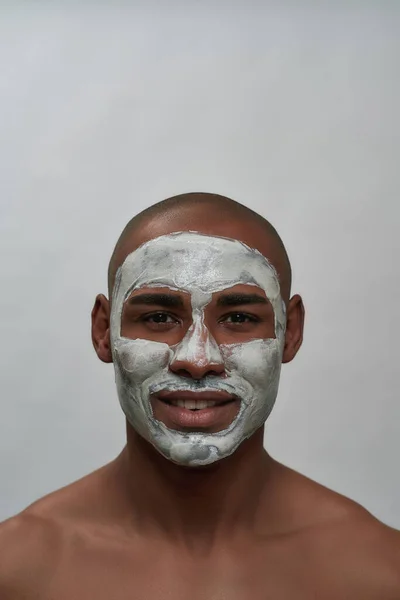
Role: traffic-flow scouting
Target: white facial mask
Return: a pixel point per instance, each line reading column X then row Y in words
column 199, row 265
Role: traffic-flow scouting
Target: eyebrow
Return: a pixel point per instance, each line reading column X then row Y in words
column 236, row 299
column 157, row 299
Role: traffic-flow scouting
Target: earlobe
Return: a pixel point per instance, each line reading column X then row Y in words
column 294, row 328
column 101, row 328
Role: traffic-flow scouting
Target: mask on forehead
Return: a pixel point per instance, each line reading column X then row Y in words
column 199, row 265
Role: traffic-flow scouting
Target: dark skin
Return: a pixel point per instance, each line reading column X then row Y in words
column 244, row 527
column 207, row 482
column 237, row 315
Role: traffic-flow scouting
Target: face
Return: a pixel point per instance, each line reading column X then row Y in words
column 197, row 335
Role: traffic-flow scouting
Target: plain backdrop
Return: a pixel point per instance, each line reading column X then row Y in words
column 290, row 108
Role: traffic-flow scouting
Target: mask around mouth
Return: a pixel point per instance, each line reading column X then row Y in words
column 199, row 265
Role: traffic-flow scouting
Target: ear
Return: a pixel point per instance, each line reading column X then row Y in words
column 294, row 328
column 101, row 328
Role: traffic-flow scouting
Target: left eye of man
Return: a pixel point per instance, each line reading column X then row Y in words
column 239, row 317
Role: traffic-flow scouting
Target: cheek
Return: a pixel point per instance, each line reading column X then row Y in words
column 140, row 359
column 257, row 361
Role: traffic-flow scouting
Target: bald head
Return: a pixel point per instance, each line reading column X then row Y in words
column 210, row 214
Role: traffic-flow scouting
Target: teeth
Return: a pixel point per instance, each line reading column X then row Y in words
column 194, row 404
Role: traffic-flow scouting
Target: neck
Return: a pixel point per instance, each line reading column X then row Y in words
column 194, row 506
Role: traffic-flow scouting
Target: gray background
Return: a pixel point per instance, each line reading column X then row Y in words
column 290, row 108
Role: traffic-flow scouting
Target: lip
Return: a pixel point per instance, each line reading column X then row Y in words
column 211, row 420
column 214, row 396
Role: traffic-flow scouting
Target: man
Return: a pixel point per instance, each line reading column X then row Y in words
column 199, row 320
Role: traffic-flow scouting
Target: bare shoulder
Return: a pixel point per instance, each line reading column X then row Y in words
column 345, row 541
column 32, row 543
column 367, row 554
column 29, row 545
column 365, row 551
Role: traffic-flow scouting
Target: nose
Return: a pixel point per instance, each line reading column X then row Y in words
column 185, row 368
column 198, row 354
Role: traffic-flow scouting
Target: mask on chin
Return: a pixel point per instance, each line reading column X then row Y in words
column 199, row 265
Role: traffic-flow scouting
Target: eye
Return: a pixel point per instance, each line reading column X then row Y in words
column 160, row 318
column 238, row 318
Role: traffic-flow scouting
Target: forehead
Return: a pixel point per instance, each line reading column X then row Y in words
column 191, row 261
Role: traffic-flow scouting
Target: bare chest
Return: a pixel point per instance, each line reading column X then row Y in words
column 280, row 573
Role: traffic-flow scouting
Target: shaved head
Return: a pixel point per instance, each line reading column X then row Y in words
column 211, row 214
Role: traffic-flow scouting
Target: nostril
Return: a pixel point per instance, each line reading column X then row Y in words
column 195, row 371
column 219, row 372
column 182, row 373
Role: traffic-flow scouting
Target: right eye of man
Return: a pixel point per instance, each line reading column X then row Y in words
column 159, row 318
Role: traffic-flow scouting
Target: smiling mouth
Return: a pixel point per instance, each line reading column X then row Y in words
column 208, row 411
column 196, row 400
column 195, row 404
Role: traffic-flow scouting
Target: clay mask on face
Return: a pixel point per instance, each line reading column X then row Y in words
column 199, row 265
